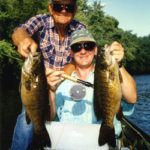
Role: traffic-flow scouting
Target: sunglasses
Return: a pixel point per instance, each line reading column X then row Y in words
column 88, row 46
column 68, row 7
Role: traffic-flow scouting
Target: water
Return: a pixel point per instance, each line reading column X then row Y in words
column 141, row 116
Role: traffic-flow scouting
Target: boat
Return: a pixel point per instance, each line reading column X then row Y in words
column 71, row 136
column 74, row 136
column 133, row 137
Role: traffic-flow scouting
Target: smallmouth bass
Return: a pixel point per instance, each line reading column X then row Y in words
column 107, row 95
column 34, row 95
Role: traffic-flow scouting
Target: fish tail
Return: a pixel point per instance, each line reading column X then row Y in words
column 40, row 140
column 107, row 135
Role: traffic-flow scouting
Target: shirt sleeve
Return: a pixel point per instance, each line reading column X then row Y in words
column 81, row 26
column 33, row 24
column 77, row 25
column 128, row 108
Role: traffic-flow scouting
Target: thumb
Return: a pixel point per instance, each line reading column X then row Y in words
column 33, row 48
column 48, row 71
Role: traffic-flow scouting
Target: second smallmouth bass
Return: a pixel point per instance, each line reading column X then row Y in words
column 107, row 94
column 34, row 95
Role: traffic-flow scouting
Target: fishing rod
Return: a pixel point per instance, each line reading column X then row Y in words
column 18, row 59
column 65, row 76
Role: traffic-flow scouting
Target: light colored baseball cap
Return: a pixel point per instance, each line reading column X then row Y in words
column 80, row 36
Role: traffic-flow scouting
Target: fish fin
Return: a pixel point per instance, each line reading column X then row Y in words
column 27, row 118
column 107, row 135
column 40, row 140
column 119, row 115
column 111, row 75
column 28, row 85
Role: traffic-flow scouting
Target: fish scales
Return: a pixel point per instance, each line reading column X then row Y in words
column 107, row 94
column 34, row 95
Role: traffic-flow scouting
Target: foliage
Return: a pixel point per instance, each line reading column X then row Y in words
column 82, row 8
column 6, row 62
column 143, row 55
column 15, row 12
column 103, row 27
column 105, row 30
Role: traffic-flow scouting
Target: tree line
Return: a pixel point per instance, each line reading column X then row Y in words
column 103, row 27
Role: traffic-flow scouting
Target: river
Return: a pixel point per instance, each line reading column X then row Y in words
column 141, row 115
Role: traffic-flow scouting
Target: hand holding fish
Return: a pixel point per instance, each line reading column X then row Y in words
column 128, row 85
column 117, row 51
column 26, row 46
column 24, row 42
column 53, row 78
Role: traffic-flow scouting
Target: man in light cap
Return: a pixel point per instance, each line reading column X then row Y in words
column 52, row 34
column 74, row 102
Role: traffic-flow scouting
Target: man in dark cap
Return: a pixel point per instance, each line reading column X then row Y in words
column 52, row 34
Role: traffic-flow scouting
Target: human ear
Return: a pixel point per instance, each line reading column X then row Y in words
column 95, row 50
column 71, row 52
column 50, row 8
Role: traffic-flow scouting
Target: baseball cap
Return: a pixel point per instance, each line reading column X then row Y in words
column 80, row 36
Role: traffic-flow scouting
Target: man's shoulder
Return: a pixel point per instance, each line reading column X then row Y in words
column 39, row 18
column 42, row 16
column 77, row 24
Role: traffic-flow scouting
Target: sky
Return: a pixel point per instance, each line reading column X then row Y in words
column 133, row 15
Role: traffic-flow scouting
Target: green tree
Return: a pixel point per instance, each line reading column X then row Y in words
column 143, row 55
column 103, row 27
column 8, row 63
column 15, row 12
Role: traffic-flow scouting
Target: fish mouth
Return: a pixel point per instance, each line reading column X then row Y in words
column 34, row 55
column 26, row 68
column 30, row 62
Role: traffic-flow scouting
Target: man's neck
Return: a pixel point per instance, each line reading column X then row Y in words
column 61, row 28
column 83, row 73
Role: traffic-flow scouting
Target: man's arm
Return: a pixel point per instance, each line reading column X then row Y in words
column 128, row 86
column 53, row 80
column 24, row 42
column 52, row 102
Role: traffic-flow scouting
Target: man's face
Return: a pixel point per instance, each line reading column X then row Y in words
column 62, row 17
column 84, row 58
